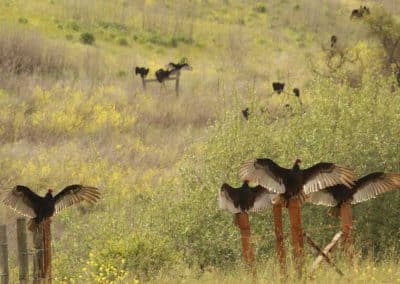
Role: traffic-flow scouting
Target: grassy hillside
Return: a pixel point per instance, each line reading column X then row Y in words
column 72, row 112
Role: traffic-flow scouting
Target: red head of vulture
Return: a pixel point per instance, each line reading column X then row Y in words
column 367, row 187
column 295, row 182
column 26, row 202
column 244, row 198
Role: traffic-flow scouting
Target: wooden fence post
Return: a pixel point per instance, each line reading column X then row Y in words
column 327, row 250
column 280, row 248
column 4, row 254
column 143, row 83
column 297, row 233
column 323, row 254
column 178, row 75
column 47, row 249
column 38, row 264
column 242, row 220
column 22, row 251
column 347, row 226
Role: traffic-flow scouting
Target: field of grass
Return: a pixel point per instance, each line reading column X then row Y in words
column 74, row 113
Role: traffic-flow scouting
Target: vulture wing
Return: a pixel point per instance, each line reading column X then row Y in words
column 266, row 173
column 323, row 175
column 370, row 186
column 228, row 197
column 322, row 198
column 73, row 194
column 262, row 199
column 22, row 200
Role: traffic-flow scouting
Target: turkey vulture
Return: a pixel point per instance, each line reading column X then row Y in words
column 179, row 66
column 244, row 198
column 142, row 71
column 162, row 74
column 245, row 113
column 367, row 187
column 296, row 92
column 26, row 202
column 333, row 41
column 278, row 87
column 294, row 182
column 359, row 13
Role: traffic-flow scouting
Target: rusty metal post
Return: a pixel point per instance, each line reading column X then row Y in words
column 297, row 233
column 4, row 255
column 22, row 251
column 242, row 220
column 347, row 226
column 280, row 247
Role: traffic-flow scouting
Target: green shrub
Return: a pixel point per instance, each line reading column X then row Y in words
column 22, row 20
column 87, row 38
column 260, row 8
column 122, row 41
column 73, row 25
column 336, row 126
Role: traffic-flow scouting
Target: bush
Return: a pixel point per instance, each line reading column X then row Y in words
column 22, row 20
column 87, row 38
column 122, row 41
column 334, row 128
column 260, row 8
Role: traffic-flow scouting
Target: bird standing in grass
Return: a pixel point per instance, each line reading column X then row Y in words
column 295, row 182
column 24, row 201
column 365, row 188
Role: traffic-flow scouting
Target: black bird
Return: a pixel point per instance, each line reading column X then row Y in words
column 26, row 202
column 359, row 13
column 179, row 66
column 245, row 113
column 278, row 87
column 333, row 41
column 365, row 188
column 295, row 182
column 142, row 71
column 296, row 92
column 244, row 198
column 162, row 74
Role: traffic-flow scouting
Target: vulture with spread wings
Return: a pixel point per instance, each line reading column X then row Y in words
column 367, row 187
column 24, row 201
column 295, row 182
column 244, row 198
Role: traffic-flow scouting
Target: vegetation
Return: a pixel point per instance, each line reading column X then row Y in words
column 74, row 113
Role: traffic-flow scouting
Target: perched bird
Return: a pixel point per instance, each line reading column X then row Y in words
column 278, row 87
column 245, row 113
column 295, row 182
column 359, row 13
column 296, row 92
column 142, row 71
column 244, row 198
column 162, row 74
column 26, row 202
column 179, row 66
column 365, row 188
column 333, row 41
